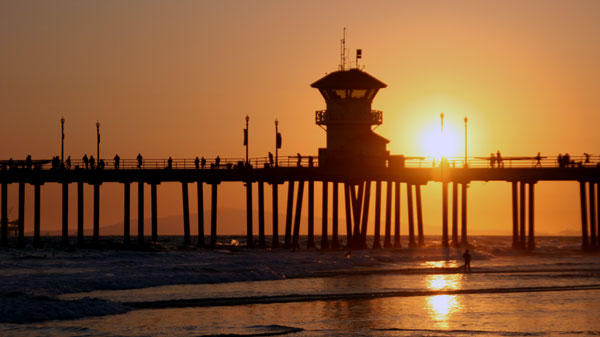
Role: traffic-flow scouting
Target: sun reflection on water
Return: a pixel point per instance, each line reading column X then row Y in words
column 441, row 307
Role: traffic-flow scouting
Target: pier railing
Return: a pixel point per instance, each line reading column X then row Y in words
column 296, row 161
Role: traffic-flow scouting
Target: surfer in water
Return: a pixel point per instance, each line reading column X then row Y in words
column 467, row 258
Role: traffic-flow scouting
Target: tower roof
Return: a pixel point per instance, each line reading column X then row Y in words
column 348, row 79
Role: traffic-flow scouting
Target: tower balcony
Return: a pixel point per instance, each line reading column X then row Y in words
column 326, row 117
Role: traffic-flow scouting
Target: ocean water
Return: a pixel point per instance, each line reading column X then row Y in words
column 552, row 291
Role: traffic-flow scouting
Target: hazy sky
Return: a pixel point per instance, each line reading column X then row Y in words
column 176, row 78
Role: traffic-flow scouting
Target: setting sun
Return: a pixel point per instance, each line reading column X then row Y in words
column 435, row 144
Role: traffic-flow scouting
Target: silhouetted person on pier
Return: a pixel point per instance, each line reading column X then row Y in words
column 101, row 164
column 567, row 160
column 299, row 159
column 170, row 163
column 92, row 162
column 492, row 160
column 117, row 161
column 140, row 161
column 68, row 162
column 559, row 160
column 197, row 163
column 538, row 159
column 217, row 161
column 271, row 161
column 28, row 162
column 203, row 162
column 467, row 258
column 587, row 158
column 85, row 161
column 499, row 159
column 55, row 162
column 310, row 161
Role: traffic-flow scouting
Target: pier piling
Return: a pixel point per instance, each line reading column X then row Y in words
column 298, row 215
column 522, row 214
column 445, row 214
column 80, row 210
column 348, row 207
column 154, row 210
column 592, row 214
column 335, row 241
column 531, row 238
column 96, row 213
column 249, row 234
column 411, row 218
column 455, row 214
column 213, row 215
column 126, row 213
column 377, row 234
column 140, row 212
column 186, row 213
column 584, row 221
column 36, row 215
column 21, row 218
column 261, row 214
column 387, row 241
column 397, row 215
column 324, row 216
column 4, row 216
column 200, row 192
column 288, row 215
column 515, row 215
column 365, row 215
column 463, row 215
column 65, row 213
column 275, row 201
column 310, row 243
column 420, row 216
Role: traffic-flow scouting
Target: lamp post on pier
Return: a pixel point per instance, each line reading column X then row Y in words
column 98, row 141
column 277, row 142
column 62, row 140
column 246, row 137
column 466, row 141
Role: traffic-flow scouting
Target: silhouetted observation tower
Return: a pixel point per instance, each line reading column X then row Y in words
column 348, row 120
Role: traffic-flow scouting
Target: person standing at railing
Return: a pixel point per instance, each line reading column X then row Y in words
column 587, row 157
column 117, row 161
column 197, row 162
column 217, row 161
column 101, row 164
column 92, row 162
column 310, row 161
column 203, row 162
column 499, row 159
column 170, row 163
column 492, row 160
column 139, row 160
column 271, row 161
column 299, row 159
column 68, row 162
column 538, row 159
column 85, row 161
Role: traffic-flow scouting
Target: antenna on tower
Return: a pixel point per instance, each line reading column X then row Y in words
column 343, row 51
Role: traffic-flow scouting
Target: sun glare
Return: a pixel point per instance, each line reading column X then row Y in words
column 435, row 144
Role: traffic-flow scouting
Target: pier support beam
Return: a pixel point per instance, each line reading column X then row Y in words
column 154, row 211
column 200, row 190
column 597, row 213
column 249, row 234
column 445, row 214
column 584, row 220
column 420, row 216
column 464, row 241
column 592, row 193
column 275, row 209
column 298, row 214
column 397, row 215
column 140, row 212
column 261, row 214
column 515, row 215
column 387, row 241
column 4, row 215
column 411, row 218
column 80, row 210
column 531, row 238
column 335, row 241
column 522, row 214
column 186, row 213
column 348, row 207
column 357, row 201
column 126, row 213
column 310, row 243
column 21, row 219
column 455, row 214
column 96, row 213
column 365, row 215
column 65, row 213
column 325, row 216
column 376, row 236
column 213, row 215
column 288, row 215
column 36, row 215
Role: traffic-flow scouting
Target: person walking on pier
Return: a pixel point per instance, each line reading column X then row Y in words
column 538, row 159
column 117, row 161
column 139, row 160
column 467, row 259
column 499, row 159
column 85, row 161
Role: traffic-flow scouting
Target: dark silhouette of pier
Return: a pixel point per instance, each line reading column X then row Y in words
column 355, row 158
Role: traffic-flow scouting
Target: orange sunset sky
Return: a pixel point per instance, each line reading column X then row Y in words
column 176, row 78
